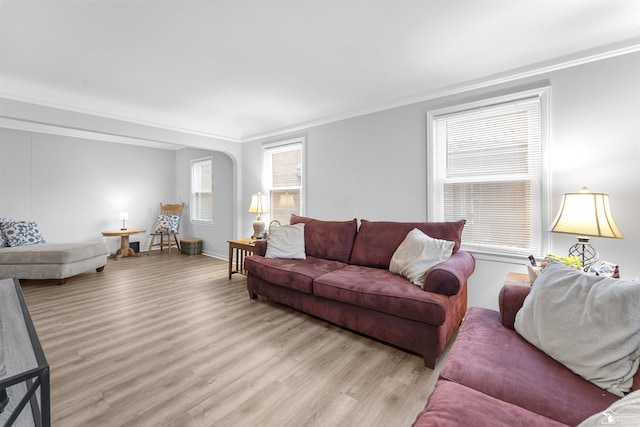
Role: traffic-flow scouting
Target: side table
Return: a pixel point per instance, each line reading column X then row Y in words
column 242, row 247
column 24, row 369
column 521, row 279
column 124, row 250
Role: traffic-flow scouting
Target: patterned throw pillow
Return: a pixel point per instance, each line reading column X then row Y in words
column 3, row 240
column 167, row 223
column 21, row 233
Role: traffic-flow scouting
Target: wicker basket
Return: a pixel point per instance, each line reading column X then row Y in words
column 191, row 246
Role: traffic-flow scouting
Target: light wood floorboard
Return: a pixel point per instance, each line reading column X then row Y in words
column 165, row 340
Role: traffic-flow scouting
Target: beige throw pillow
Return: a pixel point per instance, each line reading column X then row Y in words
column 286, row 241
column 588, row 323
column 417, row 253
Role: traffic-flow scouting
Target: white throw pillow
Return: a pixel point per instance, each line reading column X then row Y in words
column 286, row 241
column 588, row 323
column 417, row 253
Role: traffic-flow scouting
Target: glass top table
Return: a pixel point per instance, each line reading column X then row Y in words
column 24, row 371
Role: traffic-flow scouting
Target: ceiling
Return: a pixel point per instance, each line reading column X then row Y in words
column 239, row 70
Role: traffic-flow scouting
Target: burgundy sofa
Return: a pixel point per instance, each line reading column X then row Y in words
column 494, row 377
column 345, row 280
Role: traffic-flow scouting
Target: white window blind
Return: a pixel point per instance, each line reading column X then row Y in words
column 488, row 169
column 202, row 190
column 283, row 179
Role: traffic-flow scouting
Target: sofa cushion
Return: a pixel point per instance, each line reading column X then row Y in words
column 295, row 274
column 497, row 361
column 417, row 253
column 383, row 291
column 21, row 233
column 52, row 253
column 606, row 311
column 453, row 404
column 328, row 239
column 286, row 241
column 377, row 241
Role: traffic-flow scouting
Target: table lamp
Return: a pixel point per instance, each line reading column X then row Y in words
column 124, row 216
column 287, row 202
column 259, row 206
column 585, row 214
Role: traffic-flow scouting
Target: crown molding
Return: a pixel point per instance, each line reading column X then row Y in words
column 573, row 60
column 32, row 126
column 569, row 61
column 118, row 117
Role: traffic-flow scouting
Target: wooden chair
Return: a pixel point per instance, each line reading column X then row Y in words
column 167, row 227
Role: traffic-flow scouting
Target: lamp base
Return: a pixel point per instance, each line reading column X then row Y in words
column 258, row 228
column 585, row 252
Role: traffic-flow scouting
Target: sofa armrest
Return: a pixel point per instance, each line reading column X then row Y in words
column 510, row 301
column 261, row 247
column 448, row 277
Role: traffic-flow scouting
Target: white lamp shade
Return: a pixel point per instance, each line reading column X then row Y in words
column 124, row 216
column 287, row 201
column 586, row 214
column 258, row 204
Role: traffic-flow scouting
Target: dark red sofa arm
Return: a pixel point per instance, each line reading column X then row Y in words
column 448, row 277
column 261, row 247
column 510, row 301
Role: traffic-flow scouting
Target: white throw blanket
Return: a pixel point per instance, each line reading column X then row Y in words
column 589, row 324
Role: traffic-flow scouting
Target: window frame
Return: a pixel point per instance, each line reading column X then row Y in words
column 192, row 192
column 267, row 185
column 540, row 214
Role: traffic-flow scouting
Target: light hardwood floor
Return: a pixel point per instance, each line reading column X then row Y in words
column 169, row 340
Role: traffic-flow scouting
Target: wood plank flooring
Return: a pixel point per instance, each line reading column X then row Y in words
column 165, row 340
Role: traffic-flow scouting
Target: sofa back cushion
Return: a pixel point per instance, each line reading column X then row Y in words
column 377, row 241
column 331, row 240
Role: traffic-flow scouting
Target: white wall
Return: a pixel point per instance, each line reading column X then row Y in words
column 214, row 237
column 76, row 188
column 374, row 166
column 94, row 176
column 596, row 143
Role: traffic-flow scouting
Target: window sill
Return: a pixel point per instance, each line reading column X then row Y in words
column 505, row 258
column 201, row 223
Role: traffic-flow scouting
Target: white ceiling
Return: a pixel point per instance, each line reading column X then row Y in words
column 242, row 69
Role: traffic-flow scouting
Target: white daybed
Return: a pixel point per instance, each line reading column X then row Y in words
column 52, row 260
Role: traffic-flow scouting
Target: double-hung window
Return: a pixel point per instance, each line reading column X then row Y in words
column 283, row 179
column 488, row 166
column 202, row 190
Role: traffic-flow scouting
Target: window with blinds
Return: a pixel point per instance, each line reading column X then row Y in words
column 283, row 179
column 202, row 190
column 487, row 167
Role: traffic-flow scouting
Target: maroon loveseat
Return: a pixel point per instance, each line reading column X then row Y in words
column 345, row 280
column 494, row 377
